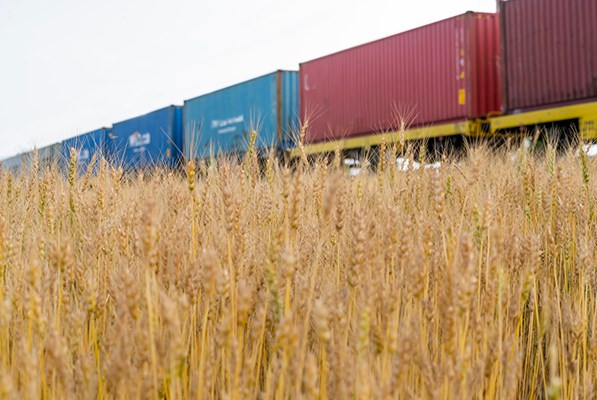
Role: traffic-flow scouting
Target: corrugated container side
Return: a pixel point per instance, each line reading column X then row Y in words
column 13, row 164
column 44, row 156
column 549, row 52
column 288, row 104
column 439, row 73
column 26, row 161
column 86, row 146
column 221, row 122
column 177, row 145
column 56, row 154
column 484, row 83
column 149, row 140
column 48, row 156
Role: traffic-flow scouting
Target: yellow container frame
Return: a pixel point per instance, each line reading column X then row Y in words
column 469, row 128
column 585, row 113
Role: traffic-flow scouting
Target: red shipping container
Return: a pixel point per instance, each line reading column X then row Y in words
column 549, row 52
column 440, row 73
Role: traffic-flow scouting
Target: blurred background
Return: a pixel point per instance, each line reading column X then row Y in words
column 68, row 67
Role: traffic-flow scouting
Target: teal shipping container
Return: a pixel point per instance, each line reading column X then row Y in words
column 222, row 122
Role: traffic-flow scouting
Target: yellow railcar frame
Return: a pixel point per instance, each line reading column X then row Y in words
column 585, row 113
column 468, row 128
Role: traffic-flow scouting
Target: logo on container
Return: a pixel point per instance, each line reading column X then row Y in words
column 307, row 84
column 224, row 125
column 82, row 154
column 139, row 139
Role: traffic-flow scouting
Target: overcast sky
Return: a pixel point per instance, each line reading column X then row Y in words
column 71, row 66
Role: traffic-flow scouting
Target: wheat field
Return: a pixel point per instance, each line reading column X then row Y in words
column 227, row 281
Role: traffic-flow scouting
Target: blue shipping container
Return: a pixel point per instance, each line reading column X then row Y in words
column 221, row 122
column 150, row 140
column 85, row 145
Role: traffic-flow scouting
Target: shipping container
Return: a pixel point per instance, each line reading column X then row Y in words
column 47, row 157
column 549, row 52
column 439, row 73
column 149, row 140
column 86, row 146
column 222, row 122
column 13, row 164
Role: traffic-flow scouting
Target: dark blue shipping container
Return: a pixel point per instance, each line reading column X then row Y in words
column 150, row 140
column 85, row 145
column 221, row 122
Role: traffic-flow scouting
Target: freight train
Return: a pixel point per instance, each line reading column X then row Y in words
column 531, row 65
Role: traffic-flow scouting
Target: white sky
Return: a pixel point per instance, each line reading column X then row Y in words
column 71, row 66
